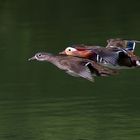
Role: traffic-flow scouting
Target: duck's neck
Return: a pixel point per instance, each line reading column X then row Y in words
column 51, row 58
column 85, row 54
column 48, row 57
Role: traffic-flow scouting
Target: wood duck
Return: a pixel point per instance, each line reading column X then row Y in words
column 114, row 57
column 78, row 67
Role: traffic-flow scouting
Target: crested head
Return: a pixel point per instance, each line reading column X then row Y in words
column 74, row 51
column 70, row 50
column 41, row 56
column 78, row 51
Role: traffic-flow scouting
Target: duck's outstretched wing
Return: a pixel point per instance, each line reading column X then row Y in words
column 74, row 66
column 85, row 68
column 84, row 73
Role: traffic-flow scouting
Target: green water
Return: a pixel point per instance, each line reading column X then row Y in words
column 40, row 102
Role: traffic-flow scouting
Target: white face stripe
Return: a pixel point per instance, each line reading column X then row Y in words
column 70, row 49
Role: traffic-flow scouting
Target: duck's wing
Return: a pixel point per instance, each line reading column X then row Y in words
column 74, row 66
column 88, row 69
column 84, row 73
column 72, row 73
column 128, row 45
column 100, row 70
column 109, row 55
column 85, row 68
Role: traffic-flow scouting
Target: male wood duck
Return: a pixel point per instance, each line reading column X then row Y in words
column 111, row 56
column 78, row 67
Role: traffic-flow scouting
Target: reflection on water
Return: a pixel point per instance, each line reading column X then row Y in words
column 40, row 102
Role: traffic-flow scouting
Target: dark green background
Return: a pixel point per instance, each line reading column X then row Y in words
column 40, row 102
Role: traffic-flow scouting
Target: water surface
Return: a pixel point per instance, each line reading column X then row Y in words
column 40, row 102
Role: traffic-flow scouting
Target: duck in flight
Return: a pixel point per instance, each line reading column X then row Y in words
column 75, row 66
column 116, row 57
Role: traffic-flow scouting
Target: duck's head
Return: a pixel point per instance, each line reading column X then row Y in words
column 78, row 51
column 41, row 56
column 69, row 51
